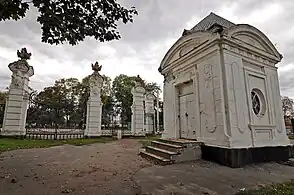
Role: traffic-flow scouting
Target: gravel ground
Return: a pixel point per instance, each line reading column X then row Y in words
column 202, row 177
column 115, row 168
column 92, row 169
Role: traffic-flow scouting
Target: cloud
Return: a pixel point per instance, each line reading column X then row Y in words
column 144, row 43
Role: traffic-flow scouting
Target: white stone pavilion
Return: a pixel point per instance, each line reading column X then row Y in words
column 221, row 88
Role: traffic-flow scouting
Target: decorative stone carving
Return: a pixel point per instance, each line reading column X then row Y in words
column 96, row 68
column 20, row 69
column 207, row 75
column 168, row 77
column 14, row 122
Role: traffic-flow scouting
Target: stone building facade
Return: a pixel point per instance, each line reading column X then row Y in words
column 221, row 88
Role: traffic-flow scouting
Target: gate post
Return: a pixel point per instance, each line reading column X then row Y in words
column 149, row 102
column 17, row 102
column 94, row 105
column 138, row 110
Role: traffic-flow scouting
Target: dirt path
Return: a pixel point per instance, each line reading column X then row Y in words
column 202, row 177
column 94, row 169
column 116, row 169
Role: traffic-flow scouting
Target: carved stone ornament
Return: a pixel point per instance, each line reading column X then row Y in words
column 96, row 80
column 207, row 75
column 138, row 81
column 23, row 54
column 207, row 128
column 17, row 80
column 20, row 68
column 168, row 77
column 96, row 68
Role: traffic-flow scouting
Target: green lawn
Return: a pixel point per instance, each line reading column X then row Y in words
column 291, row 137
column 7, row 144
column 286, row 188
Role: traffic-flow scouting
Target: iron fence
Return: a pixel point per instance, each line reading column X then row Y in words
column 56, row 134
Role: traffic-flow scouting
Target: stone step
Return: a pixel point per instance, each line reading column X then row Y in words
column 181, row 142
column 167, row 146
column 154, row 158
column 160, row 152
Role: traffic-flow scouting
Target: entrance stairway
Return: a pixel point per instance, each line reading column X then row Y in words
column 169, row 151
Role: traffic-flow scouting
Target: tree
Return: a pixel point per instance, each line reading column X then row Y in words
column 287, row 106
column 106, row 86
column 152, row 87
column 71, row 20
column 2, row 106
column 56, row 105
column 122, row 88
column 108, row 111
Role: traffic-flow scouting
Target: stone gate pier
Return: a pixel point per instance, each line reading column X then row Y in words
column 18, row 96
column 149, row 113
column 94, row 105
column 138, row 110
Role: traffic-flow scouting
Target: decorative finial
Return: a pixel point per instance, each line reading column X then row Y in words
column 96, row 67
column 23, row 54
column 138, row 78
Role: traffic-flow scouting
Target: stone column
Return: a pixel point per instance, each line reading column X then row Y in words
column 149, row 112
column 17, row 101
column 119, row 134
column 94, row 105
column 138, row 110
column 157, row 113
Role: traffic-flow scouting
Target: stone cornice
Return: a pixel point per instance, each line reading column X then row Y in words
column 249, row 51
column 199, row 50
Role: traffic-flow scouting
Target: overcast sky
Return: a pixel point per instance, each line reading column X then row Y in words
column 144, row 43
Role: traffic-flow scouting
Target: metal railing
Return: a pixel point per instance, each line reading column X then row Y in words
column 56, row 134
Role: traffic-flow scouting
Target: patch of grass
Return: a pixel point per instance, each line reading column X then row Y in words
column 291, row 137
column 7, row 144
column 286, row 188
column 80, row 142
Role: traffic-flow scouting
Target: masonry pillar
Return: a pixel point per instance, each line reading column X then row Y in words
column 17, row 102
column 149, row 113
column 94, row 105
column 138, row 110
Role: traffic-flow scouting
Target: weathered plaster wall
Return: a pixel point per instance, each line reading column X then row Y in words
column 169, row 116
column 238, row 106
column 248, row 129
column 213, row 125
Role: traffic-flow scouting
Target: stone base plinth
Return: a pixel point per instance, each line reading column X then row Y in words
column 238, row 157
column 140, row 134
column 12, row 133
column 92, row 135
